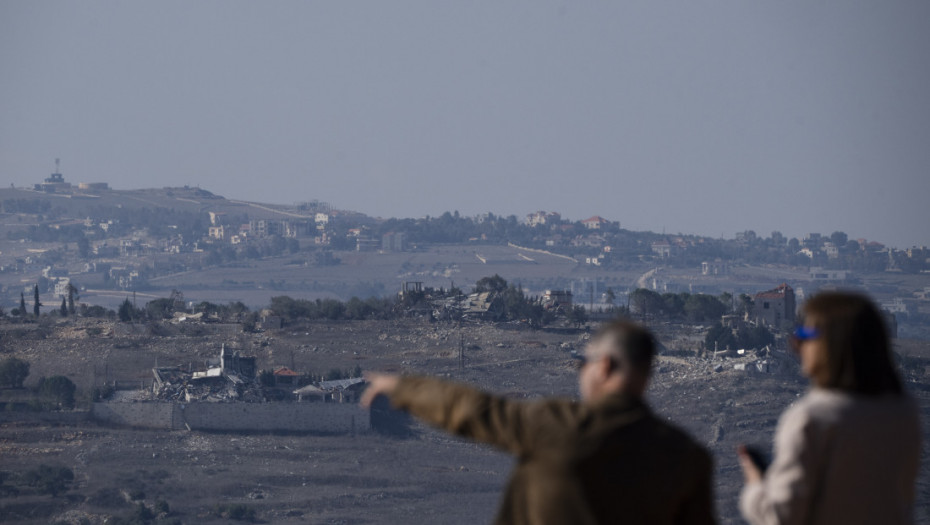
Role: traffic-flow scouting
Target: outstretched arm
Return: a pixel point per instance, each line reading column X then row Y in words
column 378, row 384
column 468, row 412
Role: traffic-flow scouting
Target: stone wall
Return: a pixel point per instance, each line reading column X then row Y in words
column 336, row 418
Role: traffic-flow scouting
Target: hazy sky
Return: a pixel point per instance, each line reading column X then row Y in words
column 695, row 117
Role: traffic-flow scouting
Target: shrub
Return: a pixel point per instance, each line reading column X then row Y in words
column 13, row 372
column 60, row 389
column 48, row 479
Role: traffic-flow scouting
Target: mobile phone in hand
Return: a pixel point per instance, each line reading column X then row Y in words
column 760, row 459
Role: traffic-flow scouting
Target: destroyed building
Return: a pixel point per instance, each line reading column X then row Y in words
column 231, row 377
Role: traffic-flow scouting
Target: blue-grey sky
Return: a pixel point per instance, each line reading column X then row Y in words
column 693, row 117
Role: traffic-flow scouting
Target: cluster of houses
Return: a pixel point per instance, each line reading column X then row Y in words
column 319, row 228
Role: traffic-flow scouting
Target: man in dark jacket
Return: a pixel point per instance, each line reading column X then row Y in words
column 606, row 459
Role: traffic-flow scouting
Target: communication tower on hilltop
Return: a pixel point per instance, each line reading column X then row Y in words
column 56, row 178
column 55, row 182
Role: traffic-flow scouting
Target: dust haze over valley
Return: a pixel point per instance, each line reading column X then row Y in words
column 215, row 217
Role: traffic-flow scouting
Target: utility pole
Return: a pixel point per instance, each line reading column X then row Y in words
column 462, row 353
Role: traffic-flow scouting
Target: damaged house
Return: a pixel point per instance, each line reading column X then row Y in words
column 230, row 377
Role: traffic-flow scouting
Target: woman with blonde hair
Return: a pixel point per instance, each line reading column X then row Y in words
column 848, row 451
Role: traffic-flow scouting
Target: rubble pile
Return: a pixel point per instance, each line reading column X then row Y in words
column 211, row 390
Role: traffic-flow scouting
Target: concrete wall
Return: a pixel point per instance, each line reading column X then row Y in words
column 66, row 418
column 243, row 417
column 143, row 415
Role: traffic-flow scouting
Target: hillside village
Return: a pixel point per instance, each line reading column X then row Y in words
column 186, row 314
column 139, row 241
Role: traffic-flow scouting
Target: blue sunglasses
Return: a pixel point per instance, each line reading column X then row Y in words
column 804, row 333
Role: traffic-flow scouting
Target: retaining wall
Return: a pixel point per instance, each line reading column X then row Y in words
column 336, row 418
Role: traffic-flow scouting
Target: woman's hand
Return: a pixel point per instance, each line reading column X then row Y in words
column 378, row 384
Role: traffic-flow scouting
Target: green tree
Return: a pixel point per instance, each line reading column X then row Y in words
column 72, row 295
column 757, row 336
column 64, row 307
column 357, row 309
column 720, row 337
column 289, row 308
column 206, row 308
column 22, row 304
column 36, row 304
column 13, row 372
column 673, row 304
column 495, row 283
column 645, row 302
column 577, row 315
column 727, row 299
column 702, row 307
column 611, row 297
column 331, row 309
column 744, row 305
column 59, row 389
column 162, row 308
column 127, row 312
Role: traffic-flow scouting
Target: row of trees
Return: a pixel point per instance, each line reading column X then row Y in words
column 67, row 303
column 333, row 309
column 694, row 308
column 702, row 308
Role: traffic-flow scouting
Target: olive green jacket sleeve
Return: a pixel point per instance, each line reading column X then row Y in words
column 513, row 426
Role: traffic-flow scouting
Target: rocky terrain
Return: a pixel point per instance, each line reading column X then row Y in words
column 366, row 478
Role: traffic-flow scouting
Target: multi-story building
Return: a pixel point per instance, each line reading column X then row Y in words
column 775, row 307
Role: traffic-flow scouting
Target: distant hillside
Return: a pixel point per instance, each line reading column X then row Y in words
column 184, row 199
